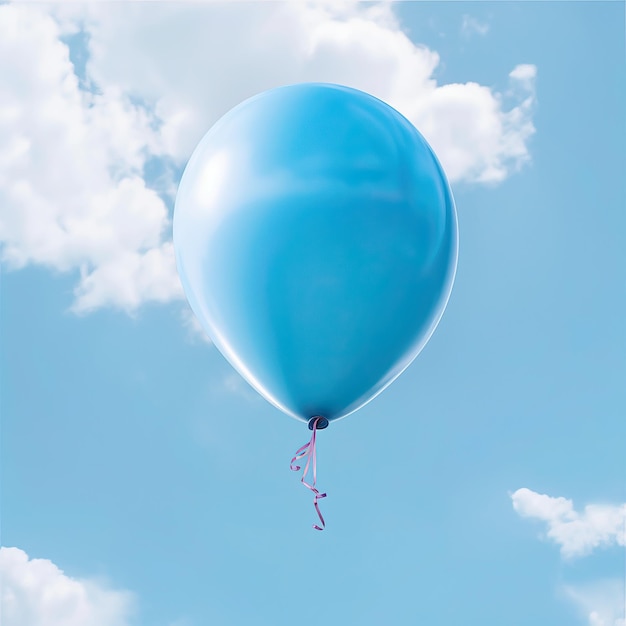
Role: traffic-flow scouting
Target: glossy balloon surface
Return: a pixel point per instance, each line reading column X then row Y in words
column 316, row 240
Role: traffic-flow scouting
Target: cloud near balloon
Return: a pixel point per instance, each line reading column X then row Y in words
column 80, row 142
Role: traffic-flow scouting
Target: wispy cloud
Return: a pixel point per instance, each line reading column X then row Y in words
column 601, row 603
column 525, row 74
column 75, row 192
column 472, row 26
column 37, row 592
column 195, row 332
column 577, row 534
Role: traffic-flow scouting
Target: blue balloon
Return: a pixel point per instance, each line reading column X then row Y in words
column 316, row 240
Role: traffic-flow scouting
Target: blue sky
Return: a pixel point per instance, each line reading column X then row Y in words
column 144, row 483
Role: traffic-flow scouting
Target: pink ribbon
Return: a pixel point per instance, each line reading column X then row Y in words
column 308, row 451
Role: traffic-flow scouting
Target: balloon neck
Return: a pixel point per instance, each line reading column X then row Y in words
column 318, row 422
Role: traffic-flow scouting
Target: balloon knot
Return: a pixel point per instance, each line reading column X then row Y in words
column 318, row 422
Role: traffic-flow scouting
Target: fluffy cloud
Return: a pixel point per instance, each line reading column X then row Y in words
column 602, row 603
column 228, row 55
column 35, row 592
column 72, row 193
column 577, row 534
column 74, row 190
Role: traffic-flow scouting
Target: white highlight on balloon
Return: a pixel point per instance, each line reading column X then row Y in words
column 211, row 180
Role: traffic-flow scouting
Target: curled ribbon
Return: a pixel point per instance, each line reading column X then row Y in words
column 308, row 451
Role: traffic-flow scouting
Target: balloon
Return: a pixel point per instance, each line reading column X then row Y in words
column 316, row 241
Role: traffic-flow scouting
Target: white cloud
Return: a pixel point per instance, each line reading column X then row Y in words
column 525, row 74
column 476, row 140
column 35, row 592
column 472, row 26
column 130, row 278
column 577, row 534
column 601, row 603
column 73, row 196
column 475, row 136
